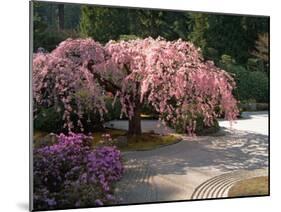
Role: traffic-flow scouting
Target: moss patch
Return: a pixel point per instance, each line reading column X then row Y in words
column 250, row 187
column 148, row 141
column 37, row 135
column 97, row 136
column 145, row 141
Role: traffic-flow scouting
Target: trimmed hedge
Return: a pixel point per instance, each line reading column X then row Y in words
column 250, row 85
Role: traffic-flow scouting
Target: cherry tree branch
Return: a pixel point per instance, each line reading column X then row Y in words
column 109, row 86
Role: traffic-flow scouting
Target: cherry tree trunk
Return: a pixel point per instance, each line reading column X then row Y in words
column 135, row 121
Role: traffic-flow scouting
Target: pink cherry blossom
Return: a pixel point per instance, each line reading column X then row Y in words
column 172, row 76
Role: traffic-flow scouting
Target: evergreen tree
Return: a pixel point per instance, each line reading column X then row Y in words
column 167, row 24
column 102, row 23
column 262, row 50
column 60, row 16
column 72, row 13
column 227, row 34
column 200, row 26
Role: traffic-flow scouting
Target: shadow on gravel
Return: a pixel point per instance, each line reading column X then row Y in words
column 161, row 174
column 228, row 152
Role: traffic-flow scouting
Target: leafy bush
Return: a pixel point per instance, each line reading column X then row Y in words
column 250, row 85
column 149, row 111
column 259, row 83
column 114, row 111
column 211, row 54
column 254, row 64
column 262, row 106
column 200, row 129
column 50, row 120
column 227, row 59
column 70, row 174
column 128, row 37
column 49, row 38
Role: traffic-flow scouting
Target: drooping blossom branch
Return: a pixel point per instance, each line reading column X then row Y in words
column 170, row 75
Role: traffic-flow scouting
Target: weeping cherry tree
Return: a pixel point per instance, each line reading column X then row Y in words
column 171, row 76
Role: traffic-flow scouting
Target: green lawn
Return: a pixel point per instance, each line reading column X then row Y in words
column 145, row 141
column 37, row 135
column 250, row 187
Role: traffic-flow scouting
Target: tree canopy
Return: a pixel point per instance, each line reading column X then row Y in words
column 171, row 75
column 215, row 34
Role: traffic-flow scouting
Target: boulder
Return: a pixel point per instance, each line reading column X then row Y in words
column 47, row 140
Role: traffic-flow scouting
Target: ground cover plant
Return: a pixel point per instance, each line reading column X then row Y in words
column 69, row 173
column 249, row 187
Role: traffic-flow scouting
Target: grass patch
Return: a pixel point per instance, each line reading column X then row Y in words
column 97, row 136
column 148, row 141
column 148, row 117
column 250, row 187
column 38, row 134
column 145, row 141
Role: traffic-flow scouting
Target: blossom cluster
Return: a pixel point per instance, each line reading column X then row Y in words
column 61, row 79
column 70, row 173
column 172, row 76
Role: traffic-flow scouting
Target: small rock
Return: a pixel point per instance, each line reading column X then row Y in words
column 47, row 140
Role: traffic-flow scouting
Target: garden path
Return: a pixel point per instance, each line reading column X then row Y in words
column 197, row 167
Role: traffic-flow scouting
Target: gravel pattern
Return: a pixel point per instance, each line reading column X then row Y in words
column 195, row 168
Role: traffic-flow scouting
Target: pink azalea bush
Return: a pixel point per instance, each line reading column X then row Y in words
column 70, row 174
column 171, row 76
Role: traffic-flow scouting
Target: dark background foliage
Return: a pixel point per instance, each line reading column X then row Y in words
column 238, row 44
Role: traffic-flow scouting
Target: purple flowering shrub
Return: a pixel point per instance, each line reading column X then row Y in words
column 71, row 174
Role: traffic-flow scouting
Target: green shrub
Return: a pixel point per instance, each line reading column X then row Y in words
column 226, row 60
column 149, row 111
column 250, row 85
column 254, row 64
column 49, row 120
column 262, row 106
column 50, row 38
column 114, row 111
column 259, row 83
column 211, row 54
column 201, row 128
column 128, row 37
